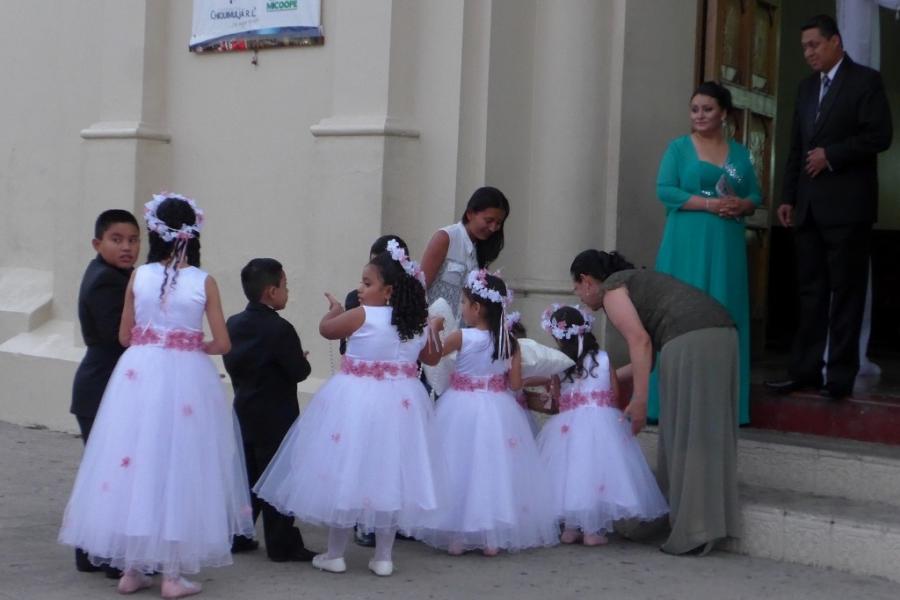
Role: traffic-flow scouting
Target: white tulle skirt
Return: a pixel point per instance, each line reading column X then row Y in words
column 496, row 494
column 359, row 455
column 598, row 474
column 162, row 485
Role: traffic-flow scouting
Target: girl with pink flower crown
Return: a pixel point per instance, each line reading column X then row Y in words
column 598, row 474
column 360, row 455
column 495, row 495
column 162, row 486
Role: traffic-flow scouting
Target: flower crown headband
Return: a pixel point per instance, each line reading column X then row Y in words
column 411, row 267
column 562, row 330
column 156, row 225
column 476, row 282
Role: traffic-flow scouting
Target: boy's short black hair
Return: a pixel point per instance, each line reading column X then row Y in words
column 110, row 217
column 259, row 274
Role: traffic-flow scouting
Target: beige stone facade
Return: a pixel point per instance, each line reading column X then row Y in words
column 313, row 152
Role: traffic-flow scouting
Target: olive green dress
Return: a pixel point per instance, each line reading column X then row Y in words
column 698, row 388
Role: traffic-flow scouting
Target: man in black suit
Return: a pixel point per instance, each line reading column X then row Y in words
column 841, row 122
column 101, row 297
column 266, row 362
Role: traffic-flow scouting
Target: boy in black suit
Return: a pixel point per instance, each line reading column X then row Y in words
column 117, row 240
column 265, row 363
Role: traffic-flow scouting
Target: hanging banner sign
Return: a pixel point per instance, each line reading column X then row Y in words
column 229, row 25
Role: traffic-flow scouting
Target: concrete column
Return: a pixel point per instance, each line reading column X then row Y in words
column 567, row 169
column 125, row 153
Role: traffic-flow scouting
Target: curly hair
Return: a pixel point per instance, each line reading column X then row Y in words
column 494, row 316
column 569, row 347
column 410, row 312
column 486, row 251
column 174, row 213
column 598, row 265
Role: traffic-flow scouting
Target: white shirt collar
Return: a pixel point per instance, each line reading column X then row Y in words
column 831, row 73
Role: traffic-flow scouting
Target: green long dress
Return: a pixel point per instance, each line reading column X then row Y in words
column 703, row 249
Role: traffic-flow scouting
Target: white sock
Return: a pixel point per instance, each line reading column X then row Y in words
column 337, row 541
column 384, row 543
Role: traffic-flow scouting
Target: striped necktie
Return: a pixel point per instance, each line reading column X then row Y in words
column 823, row 90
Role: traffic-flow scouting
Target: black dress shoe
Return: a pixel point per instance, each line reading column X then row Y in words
column 243, row 544
column 366, row 540
column 299, row 555
column 83, row 563
column 786, row 386
column 112, row 572
column 838, row 391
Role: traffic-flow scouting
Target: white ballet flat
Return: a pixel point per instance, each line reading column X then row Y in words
column 332, row 565
column 382, row 568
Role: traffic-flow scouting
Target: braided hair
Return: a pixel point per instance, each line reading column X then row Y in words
column 410, row 313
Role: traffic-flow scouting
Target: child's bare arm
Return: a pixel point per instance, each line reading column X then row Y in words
column 127, row 321
column 452, row 343
column 515, row 372
column 339, row 323
column 221, row 342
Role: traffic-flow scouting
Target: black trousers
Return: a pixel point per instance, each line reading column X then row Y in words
column 82, row 563
column 281, row 537
column 832, row 276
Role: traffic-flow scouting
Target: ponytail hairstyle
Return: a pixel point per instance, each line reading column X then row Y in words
column 492, row 295
column 178, row 221
column 484, row 198
column 577, row 346
column 410, row 314
column 598, row 265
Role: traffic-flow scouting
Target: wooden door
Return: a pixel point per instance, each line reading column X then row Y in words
column 739, row 49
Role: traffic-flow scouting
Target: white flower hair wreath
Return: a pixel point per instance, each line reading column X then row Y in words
column 476, row 282
column 562, row 330
column 411, row 267
column 156, row 225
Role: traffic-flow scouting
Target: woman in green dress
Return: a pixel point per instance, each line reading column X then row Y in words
column 708, row 185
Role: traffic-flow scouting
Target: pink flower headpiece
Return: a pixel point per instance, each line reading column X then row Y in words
column 562, row 330
column 411, row 267
column 156, row 225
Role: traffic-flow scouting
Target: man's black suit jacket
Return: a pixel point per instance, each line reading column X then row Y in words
column 265, row 364
column 854, row 125
column 101, row 298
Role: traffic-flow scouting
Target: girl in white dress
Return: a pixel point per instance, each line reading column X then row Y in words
column 162, row 486
column 598, row 474
column 496, row 495
column 360, row 455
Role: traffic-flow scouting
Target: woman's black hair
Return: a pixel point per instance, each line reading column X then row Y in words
column 569, row 347
column 380, row 245
column 716, row 91
column 174, row 213
column 598, row 265
column 494, row 315
column 410, row 312
column 484, row 198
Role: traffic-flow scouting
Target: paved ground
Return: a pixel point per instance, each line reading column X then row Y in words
column 36, row 472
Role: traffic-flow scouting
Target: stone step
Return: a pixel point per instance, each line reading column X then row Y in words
column 814, row 465
column 26, row 297
column 860, row 537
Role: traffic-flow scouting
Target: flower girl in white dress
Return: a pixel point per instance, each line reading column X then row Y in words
column 598, row 473
column 360, row 455
column 496, row 495
column 162, row 486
